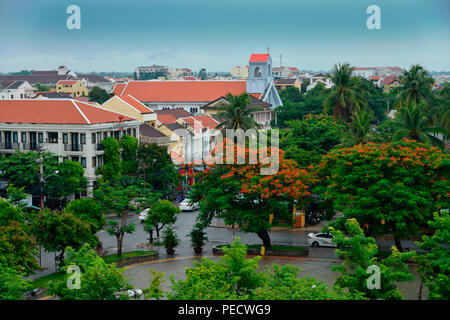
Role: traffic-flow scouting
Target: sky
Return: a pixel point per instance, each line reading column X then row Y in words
column 119, row 35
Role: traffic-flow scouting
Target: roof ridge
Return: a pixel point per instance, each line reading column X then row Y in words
column 79, row 110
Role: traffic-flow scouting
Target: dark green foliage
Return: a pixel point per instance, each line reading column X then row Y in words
column 434, row 265
column 359, row 253
column 129, row 146
column 307, row 140
column 98, row 280
column 98, row 95
column 88, row 210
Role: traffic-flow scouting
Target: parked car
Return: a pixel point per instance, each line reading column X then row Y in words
column 143, row 215
column 321, row 239
column 186, row 206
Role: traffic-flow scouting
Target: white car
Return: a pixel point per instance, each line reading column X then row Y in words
column 321, row 239
column 143, row 215
column 186, row 206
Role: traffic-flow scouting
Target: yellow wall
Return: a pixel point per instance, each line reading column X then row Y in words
column 76, row 90
column 118, row 105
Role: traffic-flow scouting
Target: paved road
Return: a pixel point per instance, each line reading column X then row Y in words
column 216, row 235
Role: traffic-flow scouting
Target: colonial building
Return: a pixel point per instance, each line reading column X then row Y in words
column 286, row 83
column 239, row 72
column 16, row 89
column 131, row 107
column 75, row 88
column 68, row 128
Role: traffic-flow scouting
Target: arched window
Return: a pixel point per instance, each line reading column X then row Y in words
column 268, row 70
column 257, row 72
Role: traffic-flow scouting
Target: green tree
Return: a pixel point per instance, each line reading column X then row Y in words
column 22, row 170
column 112, row 168
column 241, row 194
column 345, row 96
column 234, row 277
column 305, row 141
column 56, row 230
column 412, row 123
column 235, row 114
column 160, row 214
column 415, row 86
column 16, row 196
column 440, row 113
column 202, row 74
column 98, row 95
column 310, row 103
column 360, row 131
column 129, row 146
column 88, row 210
column 98, row 280
column 359, row 254
column 12, row 286
column 158, row 169
column 17, row 247
column 389, row 188
column 41, row 87
column 434, row 265
column 118, row 198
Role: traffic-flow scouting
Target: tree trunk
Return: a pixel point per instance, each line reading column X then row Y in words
column 264, row 236
column 151, row 235
column 397, row 240
column 398, row 243
column 119, row 245
column 420, row 290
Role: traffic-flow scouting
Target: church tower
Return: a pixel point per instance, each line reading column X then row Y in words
column 260, row 74
column 260, row 80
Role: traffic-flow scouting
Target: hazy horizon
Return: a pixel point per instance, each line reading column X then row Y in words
column 118, row 36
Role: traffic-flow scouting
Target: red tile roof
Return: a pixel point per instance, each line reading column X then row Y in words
column 182, row 91
column 206, row 121
column 194, row 124
column 256, row 95
column 166, row 118
column 72, row 82
column 142, row 108
column 55, row 111
column 388, row 79
column 189, row 78
column 257, row 57
column 375, row 77
column 118, row 88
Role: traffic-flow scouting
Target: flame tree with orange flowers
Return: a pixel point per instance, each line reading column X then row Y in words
column 391, row 188
column 240, row 194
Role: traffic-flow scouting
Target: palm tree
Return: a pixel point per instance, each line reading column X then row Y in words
column 415, row 86
column 412, row 123
column 440, row 113
column 359, row 130
column 235, row 114
column 346, row 96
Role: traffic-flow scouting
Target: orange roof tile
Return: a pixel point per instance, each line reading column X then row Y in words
column 207, row 121
column 166, row 118
column 118, row 88
column 182, row 91
column 142, row 108
column 55, row 111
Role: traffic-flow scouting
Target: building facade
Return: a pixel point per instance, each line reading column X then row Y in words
column 67, row 128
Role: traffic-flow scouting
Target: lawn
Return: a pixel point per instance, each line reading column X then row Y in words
column 41, row 282
column 113, row 257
